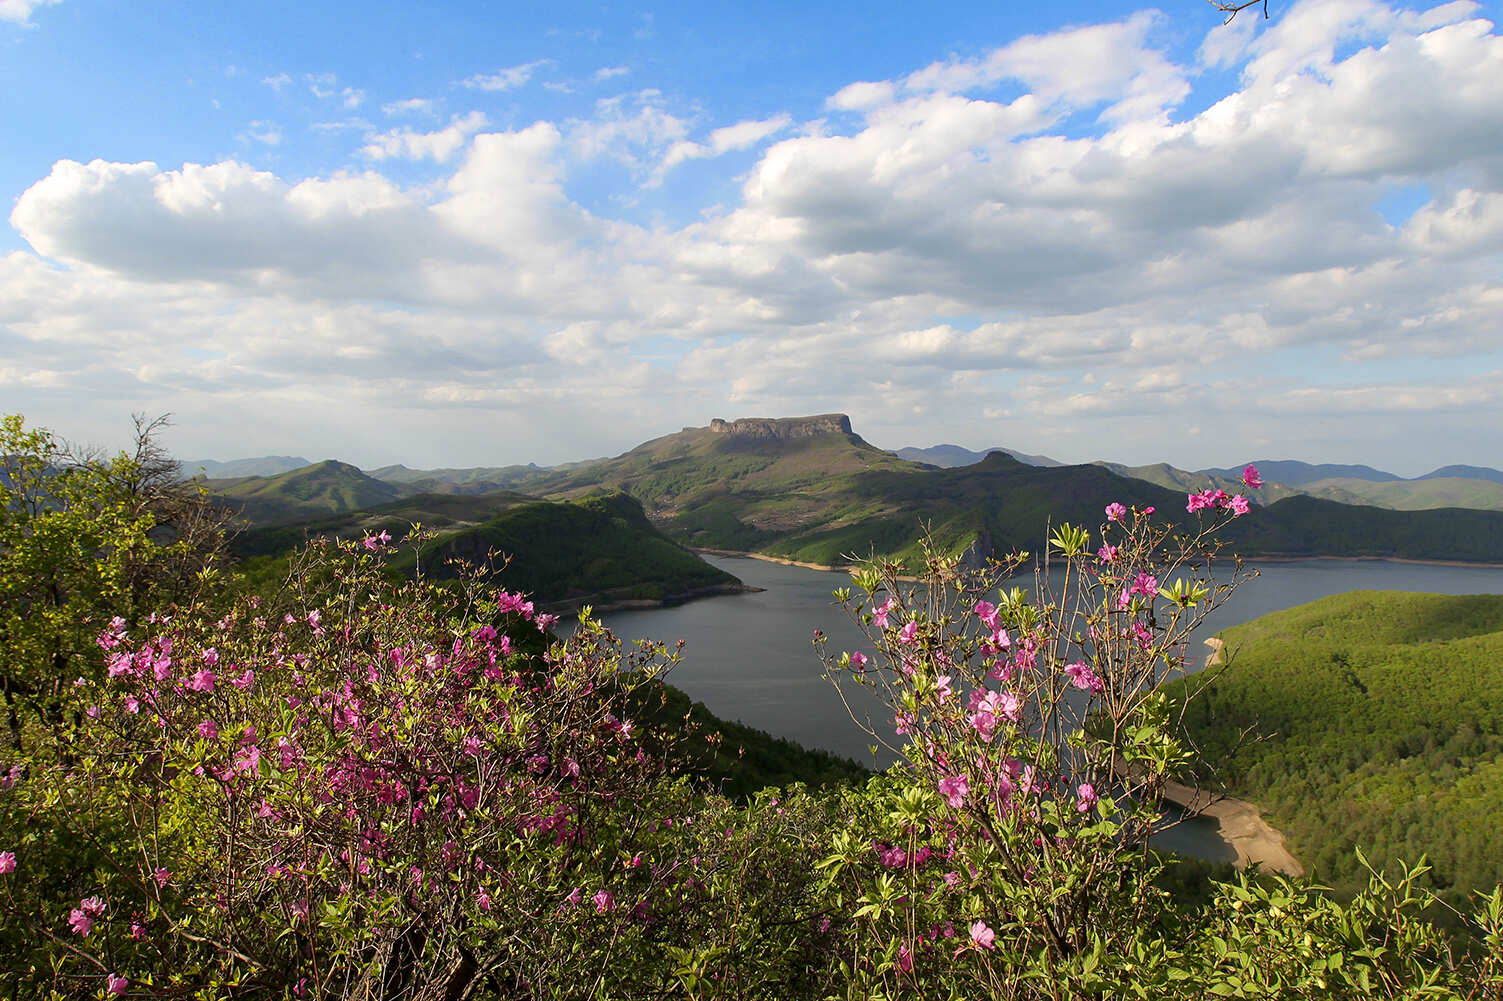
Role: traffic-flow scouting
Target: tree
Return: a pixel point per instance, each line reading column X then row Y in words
column 86, row 538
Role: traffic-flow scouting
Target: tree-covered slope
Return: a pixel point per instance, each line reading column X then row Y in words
column 1380, row 725
column 595, row 550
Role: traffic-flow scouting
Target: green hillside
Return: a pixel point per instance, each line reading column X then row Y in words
column 328, row 487
column 1171, row 478
column 1425, row 493
column 1413, row 495
column 1380, row 725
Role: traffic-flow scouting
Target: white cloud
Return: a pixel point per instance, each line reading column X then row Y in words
column 267, row 133
column 634, row 129
column 509, row 78
column 610, row 72
column 440, row 145
column 20, row 11
column 742, row 135
column 411, row 106
column 277, row 82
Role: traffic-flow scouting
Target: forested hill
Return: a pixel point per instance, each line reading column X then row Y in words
column 598, row 550
column 1380, row 726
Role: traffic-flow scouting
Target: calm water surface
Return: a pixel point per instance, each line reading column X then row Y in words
column 750, row 657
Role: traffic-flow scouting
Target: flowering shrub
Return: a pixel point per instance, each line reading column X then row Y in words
column 371, row 793
column 1013, row 848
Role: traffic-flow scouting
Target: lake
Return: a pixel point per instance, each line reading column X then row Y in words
column 750, row 657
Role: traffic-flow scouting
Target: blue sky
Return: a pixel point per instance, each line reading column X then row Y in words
column 468, row 234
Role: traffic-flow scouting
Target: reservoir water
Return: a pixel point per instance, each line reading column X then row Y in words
column 750, row 657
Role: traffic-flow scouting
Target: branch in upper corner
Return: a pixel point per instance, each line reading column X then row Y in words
column 1231, row 10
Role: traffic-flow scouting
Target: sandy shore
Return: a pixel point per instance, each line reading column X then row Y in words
column 1241, row 824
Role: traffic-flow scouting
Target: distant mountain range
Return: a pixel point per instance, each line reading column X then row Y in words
column 951, row 456
column 811, row 489
column 1477, row 487
column 265, row 465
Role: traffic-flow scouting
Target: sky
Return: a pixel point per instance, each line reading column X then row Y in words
column 461, row 234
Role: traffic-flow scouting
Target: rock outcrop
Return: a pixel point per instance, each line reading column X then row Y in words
column 783, row 427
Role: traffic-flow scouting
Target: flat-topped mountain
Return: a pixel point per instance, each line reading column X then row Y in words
column 783, row 428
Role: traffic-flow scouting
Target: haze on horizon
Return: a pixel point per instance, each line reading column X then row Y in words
column 386, row 234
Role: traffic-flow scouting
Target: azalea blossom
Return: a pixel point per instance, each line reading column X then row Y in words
column 116, row 984
column 1115, row 512
column 1087, row 797
column 954, row 789
column 982, row 936
column 7, row 862
column 1252, row 478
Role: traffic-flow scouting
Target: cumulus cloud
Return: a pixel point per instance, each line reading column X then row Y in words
column 509, row 78
column 940, row 249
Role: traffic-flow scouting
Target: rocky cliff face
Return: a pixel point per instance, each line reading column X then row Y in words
column 783, row 427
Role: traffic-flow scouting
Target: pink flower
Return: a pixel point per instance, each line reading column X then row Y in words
column 7, row 862
column 908, row 633
column 162, row 877
column 954, row 789
column 858, row 661
column 116, row 984
column 1146, row 584
column 92, row 906
column 987, row 613
column 1106, row 554
column 1083, row 678
column 483, row 900
column 942, row 687
column 80, row 922
column 1239, row 506
column 207, row 730
column 1087, row 797
column 879, row 613
column 905, row 958
column 982, row 936
column 1252, row 478
column 604, row 901
column 203, row 681
column 375, row 542
column 1115, row 512
column 211, row 657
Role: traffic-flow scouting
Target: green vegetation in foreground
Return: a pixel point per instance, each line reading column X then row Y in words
column 1382, row 722
column 595, row 550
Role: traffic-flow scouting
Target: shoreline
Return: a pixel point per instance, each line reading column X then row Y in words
column 1253, row 560
column 826, row 567
column 569, row 608
column 1240, row 825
